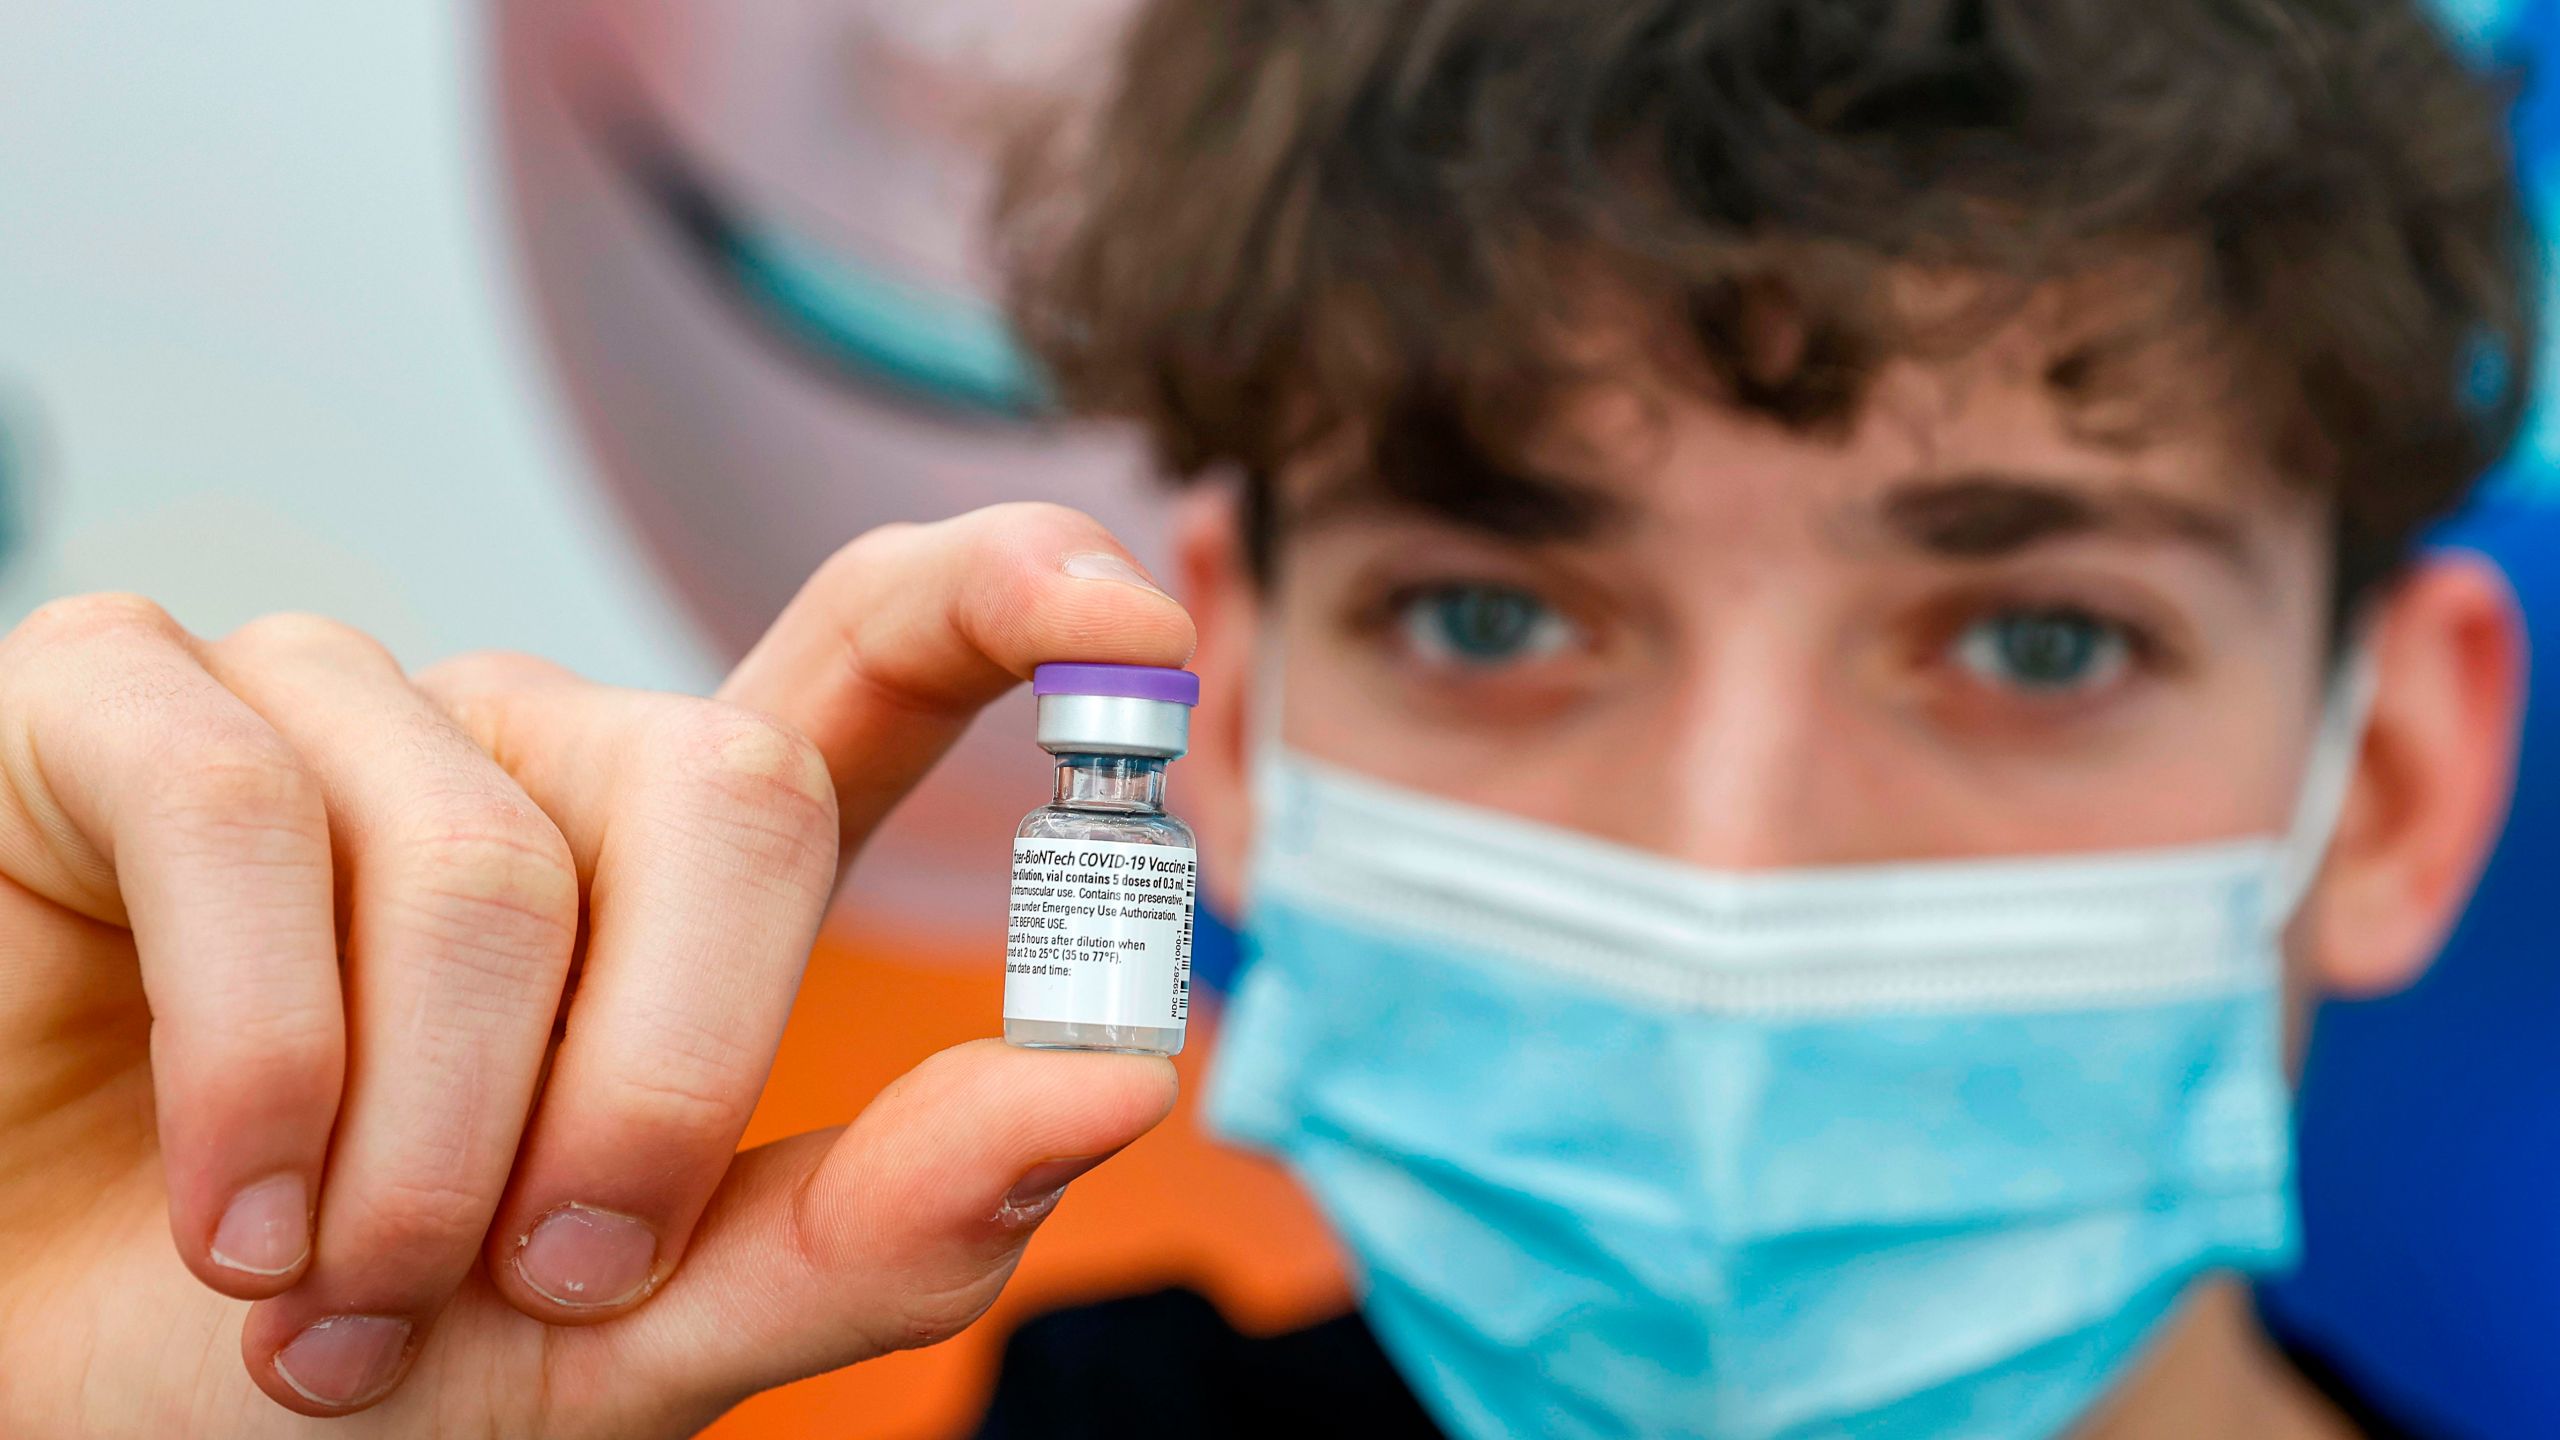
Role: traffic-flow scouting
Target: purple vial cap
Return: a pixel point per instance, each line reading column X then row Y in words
column 1133, row 682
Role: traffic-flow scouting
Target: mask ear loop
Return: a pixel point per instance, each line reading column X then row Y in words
column 2328, row 777
column 1266, row 747
column 1271, row 768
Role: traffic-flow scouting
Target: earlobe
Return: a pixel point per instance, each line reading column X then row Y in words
column 1219, row 589
column 2433, row 777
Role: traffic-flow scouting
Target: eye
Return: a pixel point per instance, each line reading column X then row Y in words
column 1481, row 625
column 2052, row 651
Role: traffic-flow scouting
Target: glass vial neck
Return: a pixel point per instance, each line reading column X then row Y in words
column 1111, row 782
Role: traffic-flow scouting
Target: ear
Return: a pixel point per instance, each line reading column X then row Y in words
column 1218, row 587
column 2432, row 781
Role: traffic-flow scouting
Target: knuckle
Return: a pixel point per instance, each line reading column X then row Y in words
column 689, row 1104
column 290, row 1047
column 1016, row 518
column 997, row 539
column 261, row 1056
column 760, row 756
column 419, row 1218
column 851, row 561
column 493, row 855
column 75, row 618
column 476, row 691
column 302, row 634
column 766, row 778
column 246, row 779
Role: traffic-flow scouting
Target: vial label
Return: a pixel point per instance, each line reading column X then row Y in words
column 1100, row 933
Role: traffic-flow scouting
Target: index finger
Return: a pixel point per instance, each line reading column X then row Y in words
column 905, row 634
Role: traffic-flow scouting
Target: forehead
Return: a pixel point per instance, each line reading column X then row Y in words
column 2069, row 418
column 2053, row 394
column 2103, row 379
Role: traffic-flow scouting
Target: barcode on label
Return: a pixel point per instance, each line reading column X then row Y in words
column 1182, row 962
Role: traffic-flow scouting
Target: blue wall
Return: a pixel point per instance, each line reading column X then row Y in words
column 2430, row 1121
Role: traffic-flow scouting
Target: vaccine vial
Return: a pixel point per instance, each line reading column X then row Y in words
column 1098, row 943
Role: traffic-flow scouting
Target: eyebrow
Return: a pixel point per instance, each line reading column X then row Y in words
column 1989, row 515
column 1976, row 515
column 1471, row 492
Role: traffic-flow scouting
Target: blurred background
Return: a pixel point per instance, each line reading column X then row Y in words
column 588, row 328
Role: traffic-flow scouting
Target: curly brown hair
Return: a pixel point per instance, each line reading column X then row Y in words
column 1301, row 220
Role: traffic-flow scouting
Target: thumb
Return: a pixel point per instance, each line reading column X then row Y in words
column 894, row 1232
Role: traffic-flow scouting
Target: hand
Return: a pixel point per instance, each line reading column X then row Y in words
column 426, row 1015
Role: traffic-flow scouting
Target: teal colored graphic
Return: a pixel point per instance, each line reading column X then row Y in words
column 944, row 347
column 2525, row 35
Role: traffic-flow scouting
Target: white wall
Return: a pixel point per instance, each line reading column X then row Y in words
column 256, row 317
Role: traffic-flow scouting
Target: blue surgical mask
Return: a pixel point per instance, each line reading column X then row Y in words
column 1625, row 1147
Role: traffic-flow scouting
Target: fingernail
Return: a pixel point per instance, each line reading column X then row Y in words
column 587, row 1258
column 344, row 1360
column 267, row 1230
column 1101, row 565
column 1037, row 1192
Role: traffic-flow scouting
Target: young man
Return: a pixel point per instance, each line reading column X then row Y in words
column 1815, row 646
column 1777, row 548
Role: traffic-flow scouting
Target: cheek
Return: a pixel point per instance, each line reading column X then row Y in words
column 2220, row 755
column 1606, row 768
column 2208, row 757
column 2212, row 769
column 1340, row 708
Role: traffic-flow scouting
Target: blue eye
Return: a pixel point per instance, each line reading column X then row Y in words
column 2045, row 652
column 1482, row 625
